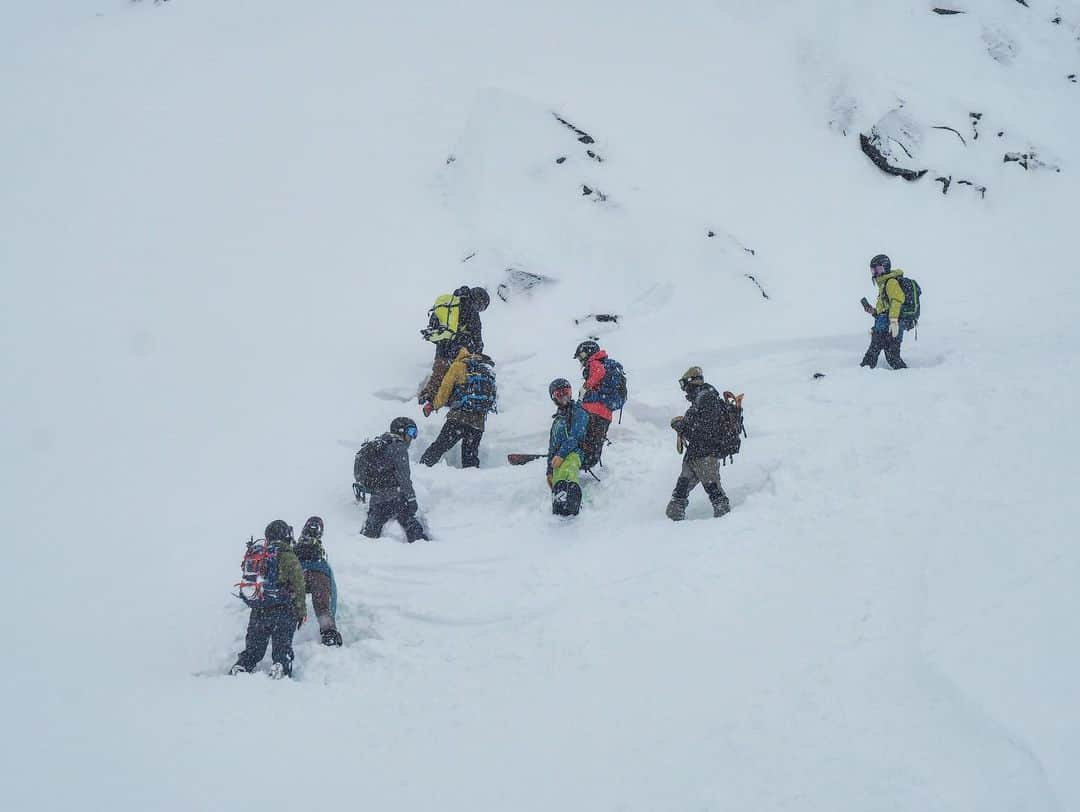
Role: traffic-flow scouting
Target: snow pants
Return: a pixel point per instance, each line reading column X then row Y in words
column 703, row 470
column 379, row 513
column 592, row 445
column 452, row 431
column 320, row 585
column 275, row 624
column 881, row 339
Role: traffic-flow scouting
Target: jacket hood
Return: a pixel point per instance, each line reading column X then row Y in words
column 895, row 273
column 599, row 355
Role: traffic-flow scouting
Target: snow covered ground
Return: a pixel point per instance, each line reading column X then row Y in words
column 223, row 226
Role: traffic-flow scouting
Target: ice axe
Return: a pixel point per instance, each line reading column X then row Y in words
column 521, row 459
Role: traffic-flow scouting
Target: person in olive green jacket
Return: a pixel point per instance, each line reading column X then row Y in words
column 888, row 331
column 276, row 616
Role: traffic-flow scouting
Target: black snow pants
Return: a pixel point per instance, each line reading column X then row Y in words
column 275, row 624
column 379, row 513
column 452, row 431
column 592, row 444
column 883, row 340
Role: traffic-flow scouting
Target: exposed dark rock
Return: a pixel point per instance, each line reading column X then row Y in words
column 947, row 11
column 1023, row 3
column 945, row 182
column 561, row 159
column 881, row 162
column 519, row 281
column 980, row 189
column 710, row 234
column 583, row 136
column 753, row 279
column 1072, row 78
column 470, row 256
column 594, row 156
column 1029, row 160
column 818, row 375
column 450, row 159
column 599, row 317
column 975, row 119
column 1056, row 20
column 586, row 191
column 950, row 129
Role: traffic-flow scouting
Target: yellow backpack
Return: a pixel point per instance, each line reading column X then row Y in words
column 443, row 318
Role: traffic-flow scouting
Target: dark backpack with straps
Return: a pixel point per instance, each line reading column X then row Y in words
column 612, row 390
column 478, row 393
column 371, row 467
column 731, row 429
column 911, row 309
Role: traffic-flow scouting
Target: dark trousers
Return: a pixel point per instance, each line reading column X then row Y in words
column 592, row 444
column 882, row 340
column 379, row 513
column 452, row 431
column 275, row 624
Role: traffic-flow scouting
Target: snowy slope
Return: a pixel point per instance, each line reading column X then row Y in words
column 224, row 225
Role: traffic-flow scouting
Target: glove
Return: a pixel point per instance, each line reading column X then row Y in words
column 428, row 409
column 300, row 622
column 556, row 461
column 411, row 507
column 894, row 327
column 676, row 422
column 549, row 481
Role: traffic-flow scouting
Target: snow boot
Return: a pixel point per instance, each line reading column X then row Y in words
column 676, row 509
column 280, row 670
column 237, row 669
column 720, row 506
column 331, row 638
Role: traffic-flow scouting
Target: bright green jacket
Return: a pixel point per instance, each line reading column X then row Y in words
column 890, row 297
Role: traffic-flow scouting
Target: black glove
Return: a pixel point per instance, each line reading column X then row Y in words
column 411, row 507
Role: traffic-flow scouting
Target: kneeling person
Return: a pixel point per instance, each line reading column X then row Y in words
column 564, row 449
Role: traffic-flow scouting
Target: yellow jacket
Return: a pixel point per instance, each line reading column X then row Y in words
column 890, row 295
column 458, row 373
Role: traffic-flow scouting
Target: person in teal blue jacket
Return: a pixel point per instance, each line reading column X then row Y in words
column 564, row 449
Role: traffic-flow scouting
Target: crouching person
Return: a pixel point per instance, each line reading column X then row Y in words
column 564, row 449
column 319, row 578
column 701, row 437
column 390, row 482
column 273, row 586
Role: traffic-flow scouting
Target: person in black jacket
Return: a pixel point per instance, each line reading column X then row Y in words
column 396, row 499
column 468, row 333
column 699, row 433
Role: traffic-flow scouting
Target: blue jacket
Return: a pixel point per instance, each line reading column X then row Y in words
column 567, row 431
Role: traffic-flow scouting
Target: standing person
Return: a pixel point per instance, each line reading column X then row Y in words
column 469, row 389
column 454, row 323
column 700, row 431
column 392, row 494
column 603, row 392
column 888, row 331
column 319, row 578
column 564, row 449
column 275, row 581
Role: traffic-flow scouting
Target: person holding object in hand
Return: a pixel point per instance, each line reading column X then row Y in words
column 888, row 331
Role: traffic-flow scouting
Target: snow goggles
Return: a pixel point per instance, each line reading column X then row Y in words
column 562, row 393
column 410, row 432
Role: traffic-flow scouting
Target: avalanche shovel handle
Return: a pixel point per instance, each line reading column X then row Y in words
column 521, row 459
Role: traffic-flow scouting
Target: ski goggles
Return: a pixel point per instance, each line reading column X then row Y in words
column 410, row 432
column 562, row 393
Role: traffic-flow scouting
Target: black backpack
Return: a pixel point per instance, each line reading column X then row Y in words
column 731, row 428
column 911, row 309
column 371, row 468
column 478, row 393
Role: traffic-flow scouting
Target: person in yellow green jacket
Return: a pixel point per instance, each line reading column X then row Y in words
column 468, row 388
column 888, row 331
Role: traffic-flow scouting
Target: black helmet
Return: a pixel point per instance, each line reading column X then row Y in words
column 313, row 528
column 278, row 530
column 586, row 350
column 557, row 384
column 883, row 261
column 480, row 298
column 403, row 427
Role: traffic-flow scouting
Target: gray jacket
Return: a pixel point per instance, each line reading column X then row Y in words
column 398, row 457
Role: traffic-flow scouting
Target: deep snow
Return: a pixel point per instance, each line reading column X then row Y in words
column 225, row 223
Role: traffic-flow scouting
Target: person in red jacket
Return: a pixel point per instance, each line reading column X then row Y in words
column 603, row 392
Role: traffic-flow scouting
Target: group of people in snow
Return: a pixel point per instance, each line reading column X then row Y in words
column 283, row 572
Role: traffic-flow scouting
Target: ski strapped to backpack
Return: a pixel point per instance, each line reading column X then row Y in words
column 732, row 429
column 259, row 587
column 443, row 318
column 371, row 467
column 478, row 393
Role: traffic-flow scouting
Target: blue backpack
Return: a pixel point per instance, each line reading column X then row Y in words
column 613, row 391
column 259, row 587
column 478, row 393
